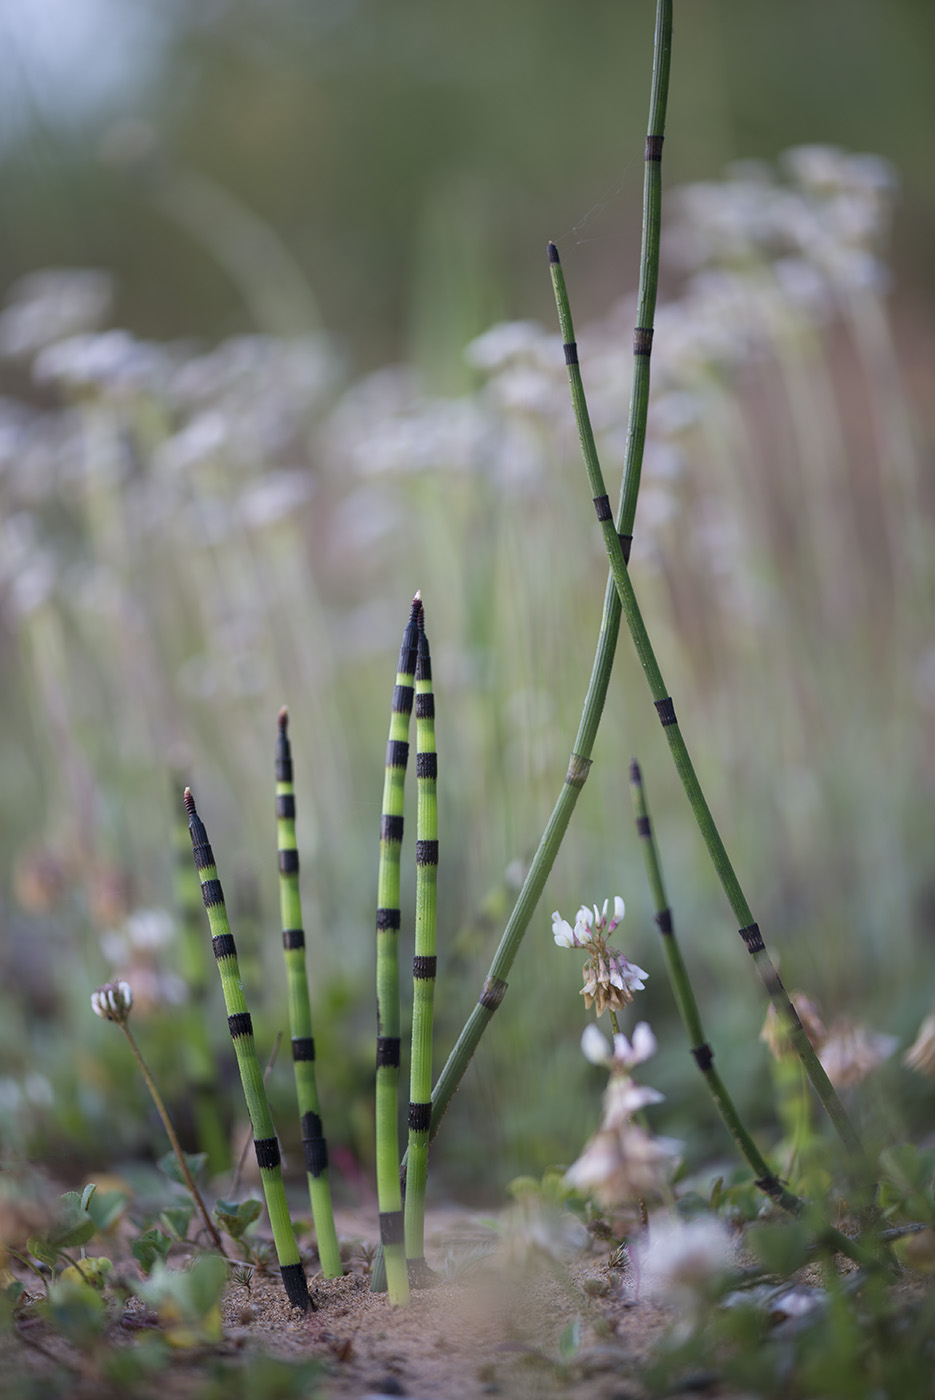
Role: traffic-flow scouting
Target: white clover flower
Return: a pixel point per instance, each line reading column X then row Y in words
column 113, row 1001
column 851, row 1052
column 622, row 1054
column 609, row 978
column 683, row 1258
column 622, row 1164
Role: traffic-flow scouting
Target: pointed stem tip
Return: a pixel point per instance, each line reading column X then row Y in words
column 283, row 719
column 635, row 774
column 189, row 801
column 553, row 252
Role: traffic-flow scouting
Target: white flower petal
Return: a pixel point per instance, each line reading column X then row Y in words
column 594, row 1045
column 644, row 1042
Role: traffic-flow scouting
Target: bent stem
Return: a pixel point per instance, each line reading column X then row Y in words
column 701, row 1050
column 314, row 1145
column 173, row 1139
column 240, row 1024
column 749, row 930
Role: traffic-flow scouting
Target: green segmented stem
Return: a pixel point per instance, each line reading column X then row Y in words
column 314, row 1145
column 749, row 930
column 701, row 1051
column 579, row 763
column 209, row 1124
column 423, row 965
column 265, row 1142
column 389, row 1191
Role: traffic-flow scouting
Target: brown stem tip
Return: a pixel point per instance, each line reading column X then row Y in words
column 283, row 719
column 189, row 802
column 553, row 252
column 635, row 774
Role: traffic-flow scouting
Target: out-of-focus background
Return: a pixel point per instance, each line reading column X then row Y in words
column 278, row 348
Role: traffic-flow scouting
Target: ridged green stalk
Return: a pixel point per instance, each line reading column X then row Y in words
column 389, row 1191
column 314, row 1145
column 579, row 763
column 701, row 1051
column 265, row 1142
column 423, row 965
column 209, row 1123
column 749, row 930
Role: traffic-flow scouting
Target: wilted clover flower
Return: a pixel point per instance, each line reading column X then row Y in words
column 851, row 1052
column 609, row 979
column 113, row 1001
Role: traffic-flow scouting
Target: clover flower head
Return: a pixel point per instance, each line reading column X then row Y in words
column 609, row 978
column 113, row 1001
column 623, row 1163
column 852, row 1052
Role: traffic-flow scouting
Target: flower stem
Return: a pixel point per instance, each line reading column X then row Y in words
column 314, row 1145
column 173, row 1138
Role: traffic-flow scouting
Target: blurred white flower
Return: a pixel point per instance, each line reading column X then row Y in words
column 921, row 1054
column 683, row 1258
column 622, row 1164
column 622, row 1054
column 52, row 304
column 852, row 1052
column 113, row 1001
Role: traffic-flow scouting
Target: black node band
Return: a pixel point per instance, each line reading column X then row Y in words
column 392, row 1230
column 770, row 1186
column 241, row 1023
column 602, row 507
column 293, row 938
column 387, row 1052
column 402, row 699
column 388, row 919
column 285, row 806
column 493, row 992
column 654, row 147
column 423, row 968
column 666, row 711
column 626, row 542
column 571, row 352
column 425, row 705
column 704, row 1056
column 311, row 1125
column 423, row 663
column 296, row 1286
column 774, row 988
column 397, row 753
column 391, row 828
column 644, row 826
column 284, row 766
column 289, row 862
column 643, row 341
column 315, row 1152
column 420, row 1116
column 303, row 1047
column 267, row 1152
column 224, row 946
column 426, row 853
column 427, row 766
column 753, row 938
column 212, row 893
column 202, row 852
column 664, row 920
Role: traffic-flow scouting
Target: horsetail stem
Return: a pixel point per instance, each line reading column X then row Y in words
column 579, row 763
column 749, row 930
column 389, row 1192
column 314, row 1146
column 209, row 1124
column 423, row 964
column 265, row 1142
column 701, row 1051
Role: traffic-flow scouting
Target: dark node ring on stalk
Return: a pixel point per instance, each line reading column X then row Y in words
column 602, row 508
column 654, row 147
column 643, row 341
column 427, row 766
column 211, row 891
column 626, row 544
column 241, row 1023
column 315, row 1156
column 770, row 1186
column 571, row 352
column 391, row 829
column 285, row 802
column 289, row 862
column 296, row 1286
column 704, row 1056
column 492, row 993
column 424, row 967
column 267, row 1152
column 388, row 919
column 293, row 938
column 303, row 1047
column 666, row 711
column 397, row 753
column 426, row 853
column 425, row 705
column 388, row 1051
column 223, row 946
column 392, row 1228
column 664, row 920
column 643, row 827
column 420, row 1116
column 753, row 938
column 402, row 698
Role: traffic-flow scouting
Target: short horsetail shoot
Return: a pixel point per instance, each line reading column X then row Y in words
column 389, row 1191
column 314, row 1146
column 424, row 962
column 265, row 1142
